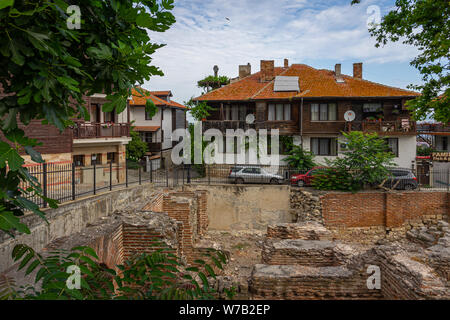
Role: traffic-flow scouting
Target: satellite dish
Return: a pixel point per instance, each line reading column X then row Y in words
column 250, row 118
column 350, row 115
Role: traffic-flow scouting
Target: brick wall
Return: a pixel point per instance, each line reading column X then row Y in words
column 391, row 210
column 53, row 141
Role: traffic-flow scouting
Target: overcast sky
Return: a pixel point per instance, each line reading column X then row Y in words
column 319, row 33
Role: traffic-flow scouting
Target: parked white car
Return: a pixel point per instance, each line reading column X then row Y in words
column 246, row 174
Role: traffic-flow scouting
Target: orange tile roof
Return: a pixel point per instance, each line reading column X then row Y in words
column 162, row 93
column 147, row 128
column 314, row 83
column 139, row 100
column 177, row 105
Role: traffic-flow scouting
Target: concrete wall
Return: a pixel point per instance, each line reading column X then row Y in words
column 137, row 114
column 239, row 207
column 70, row 218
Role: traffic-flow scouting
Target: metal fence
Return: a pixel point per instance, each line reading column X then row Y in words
column 65, row 181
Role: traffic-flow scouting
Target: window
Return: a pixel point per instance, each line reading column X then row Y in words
column 372, row 107
column 393, row 145
column 109, row 117
column 147, row 136
column 227, row 112
column 323, row 146
column 111, row 157
column 96, row 159
column 444, row 143
column 323, row 112
column 279, row 112
column 242, row 112
column 78, row 160
column 235, row 112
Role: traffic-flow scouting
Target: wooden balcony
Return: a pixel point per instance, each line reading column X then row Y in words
column 397, row 127
column 87, row 130
column 433, row 128
column 285, row 127
column 154, row 146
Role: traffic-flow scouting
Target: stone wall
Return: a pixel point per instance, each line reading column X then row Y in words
column 70, row 218
column 305, row 205
column 245, row 208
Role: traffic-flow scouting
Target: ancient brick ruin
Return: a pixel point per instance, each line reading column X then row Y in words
column 325, row 253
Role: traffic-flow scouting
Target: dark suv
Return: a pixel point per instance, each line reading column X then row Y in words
column 401, row 179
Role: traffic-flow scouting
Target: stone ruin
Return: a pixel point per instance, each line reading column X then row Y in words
column 307, row 260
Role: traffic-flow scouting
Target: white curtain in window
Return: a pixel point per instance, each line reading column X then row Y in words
column 314, row 146
column 324, row 146
column 271, row 115
column 279, row 115
column 323, row 111
column 242, row 112
column 287, row 112
column 332, row 112
column 314, row 112
column 235, row 112
column 227, row 112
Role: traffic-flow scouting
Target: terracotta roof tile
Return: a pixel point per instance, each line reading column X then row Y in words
column 147, row 128
column 162, row 93
column 313, row 83
column 139, row 100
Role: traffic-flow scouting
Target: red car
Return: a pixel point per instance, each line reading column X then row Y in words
column 303, row 180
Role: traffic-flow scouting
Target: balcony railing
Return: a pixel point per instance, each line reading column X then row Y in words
column 86, row 130
column 154, row 146
column 223, row 125
column 382, row 127
column 433, row 127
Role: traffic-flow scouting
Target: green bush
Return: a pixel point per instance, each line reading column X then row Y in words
column 300, row 159
column 335, row 179
column 148, row 276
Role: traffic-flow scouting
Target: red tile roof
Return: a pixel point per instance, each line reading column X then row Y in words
column 162, row 93
column 140, row 100
column 314, row 83
column 147, row 128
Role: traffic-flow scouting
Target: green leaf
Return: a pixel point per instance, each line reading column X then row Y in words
column 8, row 222
column 6, row 3
column 35, row 156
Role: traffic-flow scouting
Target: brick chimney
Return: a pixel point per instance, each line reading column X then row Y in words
column 286, row 63
column 357, row 70
column 337, row 70
column 245, row 70
column 267, row 70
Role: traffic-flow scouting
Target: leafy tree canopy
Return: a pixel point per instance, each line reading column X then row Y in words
column 212, row 82
column 136, row 148
column 300, row 159
column 424, row 24
column 47, row 68
column 199, row 109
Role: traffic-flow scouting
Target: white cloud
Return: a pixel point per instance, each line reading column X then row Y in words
column 299, row 30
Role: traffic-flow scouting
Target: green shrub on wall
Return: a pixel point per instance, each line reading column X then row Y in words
column 159, row 275
column 335, row 179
